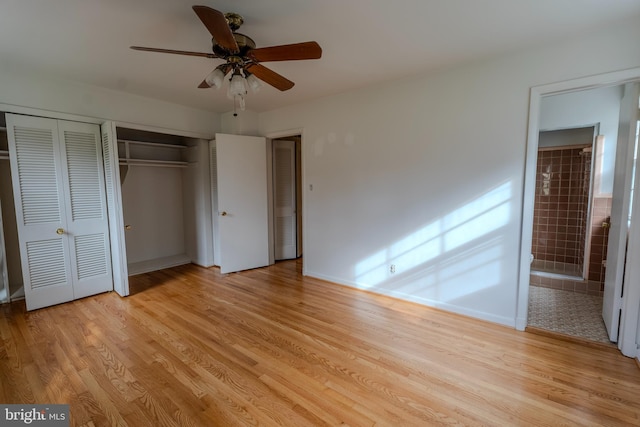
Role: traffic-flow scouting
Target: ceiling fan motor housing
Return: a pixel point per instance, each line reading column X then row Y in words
column 245, row 44
column 234, row 20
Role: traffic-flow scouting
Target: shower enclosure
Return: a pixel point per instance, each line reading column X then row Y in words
column 562, row 206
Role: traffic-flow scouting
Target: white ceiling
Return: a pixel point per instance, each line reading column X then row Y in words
column 363, row 41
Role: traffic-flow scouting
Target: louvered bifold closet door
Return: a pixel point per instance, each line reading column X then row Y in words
column 36, row 170
column 114, row 209
column 87, row 220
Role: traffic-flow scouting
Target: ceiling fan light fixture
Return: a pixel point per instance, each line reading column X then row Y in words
column 254, row 83
column 237, row 86
column 237, row 89
column 215, row 79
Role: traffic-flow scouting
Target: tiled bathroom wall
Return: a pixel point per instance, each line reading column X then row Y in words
column 561, row 206
column 594, row 284
column 600, row 222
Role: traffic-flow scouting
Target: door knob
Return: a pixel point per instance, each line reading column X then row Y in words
column 223, row 213
column 127, row 227
column 60, row 231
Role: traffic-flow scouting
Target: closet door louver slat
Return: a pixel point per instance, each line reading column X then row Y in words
column 37, row 175
column 46, row 263
column 91, row 256
column 84, row 176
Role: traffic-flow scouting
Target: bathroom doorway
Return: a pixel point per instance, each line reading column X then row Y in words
column 572, row 207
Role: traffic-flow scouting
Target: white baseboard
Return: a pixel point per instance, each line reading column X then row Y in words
column 423, row 301
column 18, row 295
column 157, row 264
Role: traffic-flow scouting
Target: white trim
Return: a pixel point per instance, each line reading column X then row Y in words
column 427, row 302
column 536, row 94
column 169, row 131
column 38, row 112
column 155, row 264
column 50, row 114
column 284, row 134
column 628, row 336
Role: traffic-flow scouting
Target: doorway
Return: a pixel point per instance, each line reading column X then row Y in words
column 287, row 196
column 563, row 203
column 567, row 107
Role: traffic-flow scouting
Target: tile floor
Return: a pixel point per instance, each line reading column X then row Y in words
column 570, row 313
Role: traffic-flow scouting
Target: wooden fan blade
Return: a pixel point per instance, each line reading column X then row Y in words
column 217, row 25
column 287, row 52
column 177, row 52
column 270, row 77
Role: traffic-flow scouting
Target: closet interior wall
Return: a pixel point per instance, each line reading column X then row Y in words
column 11, row 251
column 159, row 176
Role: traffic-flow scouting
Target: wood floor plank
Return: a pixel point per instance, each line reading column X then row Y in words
column 193, row 347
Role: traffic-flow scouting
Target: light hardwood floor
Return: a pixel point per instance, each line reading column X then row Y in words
column 192, row 347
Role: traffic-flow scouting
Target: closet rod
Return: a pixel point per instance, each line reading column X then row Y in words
column 152, row 144
column 155, row 165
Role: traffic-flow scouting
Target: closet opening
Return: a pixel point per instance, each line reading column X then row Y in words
column 161, row 188
column 11, row 284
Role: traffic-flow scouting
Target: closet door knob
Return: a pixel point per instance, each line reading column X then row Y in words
column 223, row 213
column 127, row 227
column 60, row 231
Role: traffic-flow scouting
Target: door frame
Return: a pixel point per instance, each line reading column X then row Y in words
column 285, row 134
column 536, row 94
column 4, row 274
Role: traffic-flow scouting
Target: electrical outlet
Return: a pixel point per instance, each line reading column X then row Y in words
column 392, row 268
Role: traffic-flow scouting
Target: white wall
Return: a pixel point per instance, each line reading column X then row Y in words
column 244, row 123
column 427, row 174
column 586, row 108
column 156, row 217
column 43, row 93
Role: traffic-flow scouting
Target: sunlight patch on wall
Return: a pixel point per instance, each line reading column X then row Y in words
column 439, row 254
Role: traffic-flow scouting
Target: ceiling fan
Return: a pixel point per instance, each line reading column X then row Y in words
column 242, row 58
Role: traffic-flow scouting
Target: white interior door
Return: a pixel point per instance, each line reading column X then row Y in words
column 617, row 246
column 58, row 184
column 284, row 195
column 243, row 213
column 86, row 218
column 36, row 171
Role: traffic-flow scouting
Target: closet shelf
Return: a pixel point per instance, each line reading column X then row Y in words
column 153, row 144
column 157, row 163
column 144, row 153
column 4, row 155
